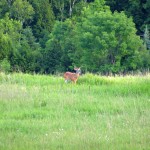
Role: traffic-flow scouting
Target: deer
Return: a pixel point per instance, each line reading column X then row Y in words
column 69, row 76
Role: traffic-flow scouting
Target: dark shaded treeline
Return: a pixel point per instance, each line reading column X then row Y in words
column 52, row 36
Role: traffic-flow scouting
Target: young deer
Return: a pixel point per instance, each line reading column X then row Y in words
column 69, row 76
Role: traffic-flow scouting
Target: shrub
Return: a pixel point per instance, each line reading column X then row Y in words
column 5, row 66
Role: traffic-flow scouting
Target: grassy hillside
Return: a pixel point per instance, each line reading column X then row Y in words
column 43, row 112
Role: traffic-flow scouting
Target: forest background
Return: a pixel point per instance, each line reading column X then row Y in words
column 52, row 36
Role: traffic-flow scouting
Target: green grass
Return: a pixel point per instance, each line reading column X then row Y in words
column 42, row 112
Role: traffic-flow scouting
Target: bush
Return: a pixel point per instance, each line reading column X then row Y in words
column 5, row 66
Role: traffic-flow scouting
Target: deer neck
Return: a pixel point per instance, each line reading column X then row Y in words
column 77, row 74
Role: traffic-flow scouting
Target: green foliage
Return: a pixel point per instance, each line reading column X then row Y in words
column 43, row 20
column 29, row 52
column 5, row 66
column 67, row 8
column 139, row 10
column 9, row 37
column 18, row 46
column 108, row 41
column 54, row 36
column 3, row 8
column 60, row 48
column 22, row 10
column 98, row 40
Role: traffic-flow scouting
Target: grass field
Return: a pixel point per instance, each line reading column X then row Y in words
column 39, row 112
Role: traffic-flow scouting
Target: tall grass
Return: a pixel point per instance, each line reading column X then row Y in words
column 42, row 112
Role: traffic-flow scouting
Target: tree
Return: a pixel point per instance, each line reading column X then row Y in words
column 64, row 9
column 147, row 38
column 138, row 9
column 43, row 20
column 28, row 58
column 146, row 7
column 60, row 47
column 9, row 38
column 3, row 8
column 18, row 46
column 22, row 11
column 107, row 41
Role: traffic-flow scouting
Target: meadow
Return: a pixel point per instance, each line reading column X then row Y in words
column 41, row 112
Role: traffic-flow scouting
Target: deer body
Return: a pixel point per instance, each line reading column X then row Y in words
column 69, row 76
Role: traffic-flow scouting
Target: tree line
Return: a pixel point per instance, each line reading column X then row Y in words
column 52, row 36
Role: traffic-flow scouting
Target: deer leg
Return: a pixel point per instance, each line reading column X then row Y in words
column 75, row 81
